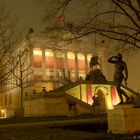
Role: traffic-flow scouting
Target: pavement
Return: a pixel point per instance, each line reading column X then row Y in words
column 84, row 127
column 53, row 121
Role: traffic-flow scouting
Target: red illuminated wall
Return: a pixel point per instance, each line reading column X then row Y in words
column 71, row 64
column 89, row 94
column 113, row 92
column 81, row 65
column 49, row 61
column 37, row 61
column 60, row 62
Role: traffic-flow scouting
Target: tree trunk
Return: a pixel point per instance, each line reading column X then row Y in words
column 21, row 102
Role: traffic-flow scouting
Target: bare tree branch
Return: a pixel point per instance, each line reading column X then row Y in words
column 120, row 22
column 8, row 41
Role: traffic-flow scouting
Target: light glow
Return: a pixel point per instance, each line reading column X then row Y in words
column 113, row 93
column 37, row 58
column 71, row 61
column 37, row 52
column 49, row 53
column 89, row 57
column 49, row 59
column 89, row 92
column 71, row 55
column 81, row 56
column 81, row 65
column 2, row 113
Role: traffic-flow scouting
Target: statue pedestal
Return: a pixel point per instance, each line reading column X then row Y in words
column 124, row 119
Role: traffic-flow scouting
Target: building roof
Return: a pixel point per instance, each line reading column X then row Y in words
column 80, row 45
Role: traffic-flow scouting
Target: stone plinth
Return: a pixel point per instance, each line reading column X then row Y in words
column 124, row 119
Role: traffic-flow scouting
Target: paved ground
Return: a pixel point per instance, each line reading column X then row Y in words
column 53, row 120
column 45, row 133
column 59, row 128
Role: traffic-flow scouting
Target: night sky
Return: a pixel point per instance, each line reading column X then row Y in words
column 28, row 12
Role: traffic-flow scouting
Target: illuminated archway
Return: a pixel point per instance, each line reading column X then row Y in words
column 107, row 95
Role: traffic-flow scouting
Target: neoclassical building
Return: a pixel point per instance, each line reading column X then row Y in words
column 53, row 63
column 54, row 74
column 61, row 62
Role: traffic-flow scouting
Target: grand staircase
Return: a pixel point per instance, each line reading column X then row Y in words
column 134, row 96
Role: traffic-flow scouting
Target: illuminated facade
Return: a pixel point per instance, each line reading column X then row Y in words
column 49, row 64
column 53, row 65
column 58, row 63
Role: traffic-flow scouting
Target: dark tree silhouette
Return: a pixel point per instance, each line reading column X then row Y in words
column 114, row 19
column 9, row 38
column 21, row 74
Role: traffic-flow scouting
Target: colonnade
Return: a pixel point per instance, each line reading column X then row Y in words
column 77, row 74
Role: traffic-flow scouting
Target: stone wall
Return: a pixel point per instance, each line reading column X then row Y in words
column 124, row 119
column 53, row 106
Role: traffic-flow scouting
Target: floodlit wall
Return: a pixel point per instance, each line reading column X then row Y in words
column 45, row 106
column 51, row 65
column 60, row 64
column 53, row 106
column 85, row 92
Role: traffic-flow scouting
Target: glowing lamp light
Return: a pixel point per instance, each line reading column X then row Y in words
column 3, row 113
column 81, row 56
column 71, row 55
column 49, row 53
column 37, row 52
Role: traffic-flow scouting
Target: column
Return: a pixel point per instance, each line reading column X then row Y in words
column 76, row 67
column 86, row 64
column 55, row 66
column 43, row 65
column 65, row 65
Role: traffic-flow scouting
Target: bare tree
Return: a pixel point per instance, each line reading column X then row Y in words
column 117, row 20
column 21, row 71
column 8, row 40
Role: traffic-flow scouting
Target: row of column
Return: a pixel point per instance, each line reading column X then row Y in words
column 65, row 64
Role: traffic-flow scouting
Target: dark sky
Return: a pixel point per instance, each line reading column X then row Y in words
column 28, row 12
